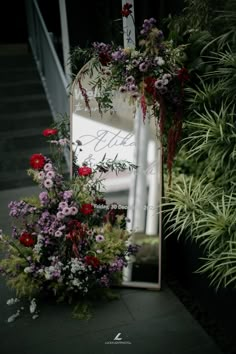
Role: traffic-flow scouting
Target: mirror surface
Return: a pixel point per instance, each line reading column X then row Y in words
column 124, row 136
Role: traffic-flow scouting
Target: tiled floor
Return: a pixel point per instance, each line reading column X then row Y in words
column 152, row 322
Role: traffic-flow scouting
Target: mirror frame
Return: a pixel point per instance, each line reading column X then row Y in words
column 130, row 284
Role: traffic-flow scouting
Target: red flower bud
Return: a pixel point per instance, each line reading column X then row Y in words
column 84, row 171
column 49, row 132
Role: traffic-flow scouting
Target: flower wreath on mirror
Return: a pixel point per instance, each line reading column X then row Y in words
column 67, row 242
column 150, row 74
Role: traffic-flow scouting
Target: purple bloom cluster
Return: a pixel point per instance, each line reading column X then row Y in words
column 102, row 48
column 119, row 55
column 148, row 24
column 20, row 209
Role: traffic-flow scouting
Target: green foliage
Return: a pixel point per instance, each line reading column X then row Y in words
column 201, row 204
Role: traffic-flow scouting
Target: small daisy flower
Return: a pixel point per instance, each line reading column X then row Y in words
column 73, row 210
column 130, row 80
column 158, row 84
column 58, row 233
column 48, row 167
column 48, row 183
column 143, row 67
column 60, row 215
column 50, row 174
column 122, row 89
column 99, row 238
column 66, row 211
column 62, row 205
column 41, row 175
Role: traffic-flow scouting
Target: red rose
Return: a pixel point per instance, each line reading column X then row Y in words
column 91, row 260
column 84, row 171
column 125, row 12
column 49, row 132
column 87, row 209
column 183, row 75
column 26, row 240
column 37, row 161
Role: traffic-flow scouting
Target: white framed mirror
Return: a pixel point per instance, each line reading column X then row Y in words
column 123, row 135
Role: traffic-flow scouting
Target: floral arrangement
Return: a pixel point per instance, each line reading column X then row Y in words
column 66, row 241
column 151, row 74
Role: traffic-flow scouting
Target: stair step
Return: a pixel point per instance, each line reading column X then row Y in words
column 21, row 88
column 13, row 123
column 22, row 132
column 23, row 98
column 17, row 74
column 15, row 143
column 24, row 104
column 19, row 61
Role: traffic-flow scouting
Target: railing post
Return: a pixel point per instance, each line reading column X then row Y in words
column 65, row 39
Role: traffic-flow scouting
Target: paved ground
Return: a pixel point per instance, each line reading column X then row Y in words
column 154, row 322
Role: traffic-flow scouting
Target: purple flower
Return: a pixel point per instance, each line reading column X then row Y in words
column 67, row 194
column 62, row 205
column 119, row 55
column 148, row 24
column 44, row 199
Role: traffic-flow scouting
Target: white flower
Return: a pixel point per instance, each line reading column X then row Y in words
column 66, row 211
column 33, row 306
column 12, row 301
column 73, row 210
column 28, row 270
column 63, row 142
column 41, row 175
column 47, row 167
column 62, row 205
column 99, row 238
column 58, row 233
column 159, row 61
column 35, row 316
column 13, row 317
column 50, row 174
column 48, row 183
column 60, row 215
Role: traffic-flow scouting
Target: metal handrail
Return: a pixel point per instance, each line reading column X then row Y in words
column 49, row 67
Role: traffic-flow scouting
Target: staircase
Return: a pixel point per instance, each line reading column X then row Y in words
column 24, row 114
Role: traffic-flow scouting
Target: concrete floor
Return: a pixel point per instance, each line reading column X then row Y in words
column 153, row 322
